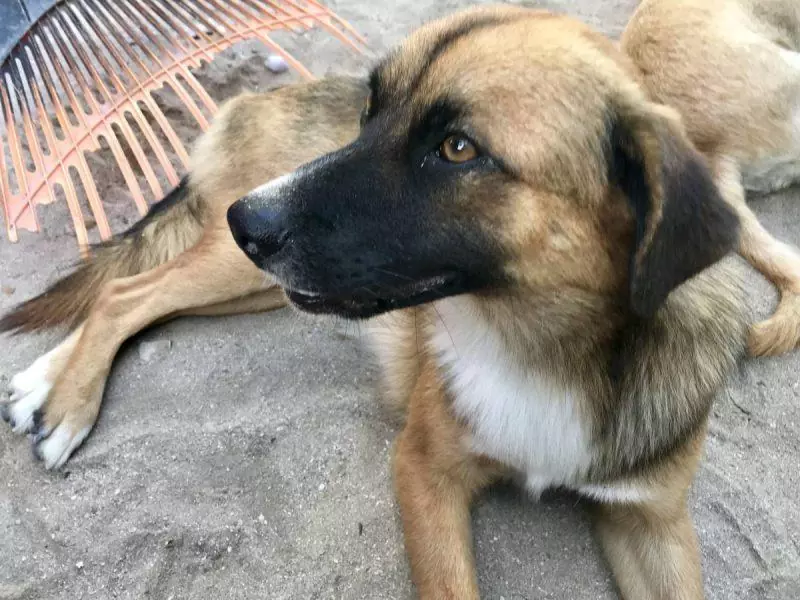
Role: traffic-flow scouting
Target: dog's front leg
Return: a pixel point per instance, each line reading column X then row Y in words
column 435, row 477
column 58, row 399
column 651, row 545
column 652, row 550
column 435, row 511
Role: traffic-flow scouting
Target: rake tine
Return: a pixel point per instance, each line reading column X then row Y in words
column 65, row 152
column 5, row 182
column 69, row 186
column 15, row 149
column 125, row 27
column 103, row 127
column 53, row 177
column 258, row 31
column 86, row 71
column 119, row 119
column 139, row 89
column 133, row 107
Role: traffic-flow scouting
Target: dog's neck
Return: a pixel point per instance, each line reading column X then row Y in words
column 640, row 386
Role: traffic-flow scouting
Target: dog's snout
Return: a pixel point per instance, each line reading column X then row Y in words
column 258, row 231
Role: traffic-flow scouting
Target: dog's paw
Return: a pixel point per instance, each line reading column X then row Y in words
column 28, row 392
column 54, row 446
column 46, row 403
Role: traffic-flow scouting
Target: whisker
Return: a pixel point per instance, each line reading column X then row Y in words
column 416, row 329
column 365, row 288
column 447, row 329
column 393, row 274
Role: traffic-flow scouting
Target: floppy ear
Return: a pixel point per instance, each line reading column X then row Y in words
column 682, row 223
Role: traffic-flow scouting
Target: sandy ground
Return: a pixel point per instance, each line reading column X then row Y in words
column 249, row 457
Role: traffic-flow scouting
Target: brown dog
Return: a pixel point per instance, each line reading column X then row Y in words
column 546, row 237
column 550, row 235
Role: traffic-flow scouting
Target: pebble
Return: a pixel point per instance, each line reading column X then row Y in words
column 149, row 351
column 276, row 63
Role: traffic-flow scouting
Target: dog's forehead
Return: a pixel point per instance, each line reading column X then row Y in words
column 424, row 43
column 483, row 57
column 407, row 65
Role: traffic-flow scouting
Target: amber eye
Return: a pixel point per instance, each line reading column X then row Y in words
column 457, row 149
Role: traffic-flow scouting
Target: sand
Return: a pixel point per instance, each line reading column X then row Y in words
column 248, row 457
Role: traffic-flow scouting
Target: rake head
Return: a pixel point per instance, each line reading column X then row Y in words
column 82, row 78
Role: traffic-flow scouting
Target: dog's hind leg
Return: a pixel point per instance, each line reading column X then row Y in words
column 213, row 277
column 260, row 301
column 777, row 261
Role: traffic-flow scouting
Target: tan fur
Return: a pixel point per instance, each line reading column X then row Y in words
column 569, row 235
column 183, row 260
column 435, row 480
column 726, row 66
column 69, row 300
column 642, row 385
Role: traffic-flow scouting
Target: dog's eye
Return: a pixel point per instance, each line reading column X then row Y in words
column 457, row 149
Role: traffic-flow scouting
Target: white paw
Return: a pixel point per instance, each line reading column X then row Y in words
column 20, row 413
column 55, row 449
column 29, row 390
column 32, row 377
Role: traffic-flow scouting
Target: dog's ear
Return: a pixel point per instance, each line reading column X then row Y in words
column 682, row 223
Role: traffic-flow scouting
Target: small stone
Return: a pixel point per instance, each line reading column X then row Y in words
column 321, row 487
column 79, row 565
column 276, row 64
column 150, row 351
column 261, row 519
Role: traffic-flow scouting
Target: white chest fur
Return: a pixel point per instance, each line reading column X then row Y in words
column 517, row 416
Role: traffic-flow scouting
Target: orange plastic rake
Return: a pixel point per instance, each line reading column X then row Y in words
column 85, row 72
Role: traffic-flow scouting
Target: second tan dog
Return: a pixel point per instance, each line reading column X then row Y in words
column 544, row 234
column 179, row 260
column 732, row 70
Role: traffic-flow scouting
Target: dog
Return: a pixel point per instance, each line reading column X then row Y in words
column 179, row 260
column 731, row 68
column 552, row 238
column 534, row 238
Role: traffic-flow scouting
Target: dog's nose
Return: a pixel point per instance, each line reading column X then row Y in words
column 259, row 231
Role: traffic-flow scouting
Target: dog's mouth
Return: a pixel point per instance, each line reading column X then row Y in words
column 372, row 300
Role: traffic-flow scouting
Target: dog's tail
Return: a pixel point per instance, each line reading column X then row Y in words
column 171, row 226
column 779, row 333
